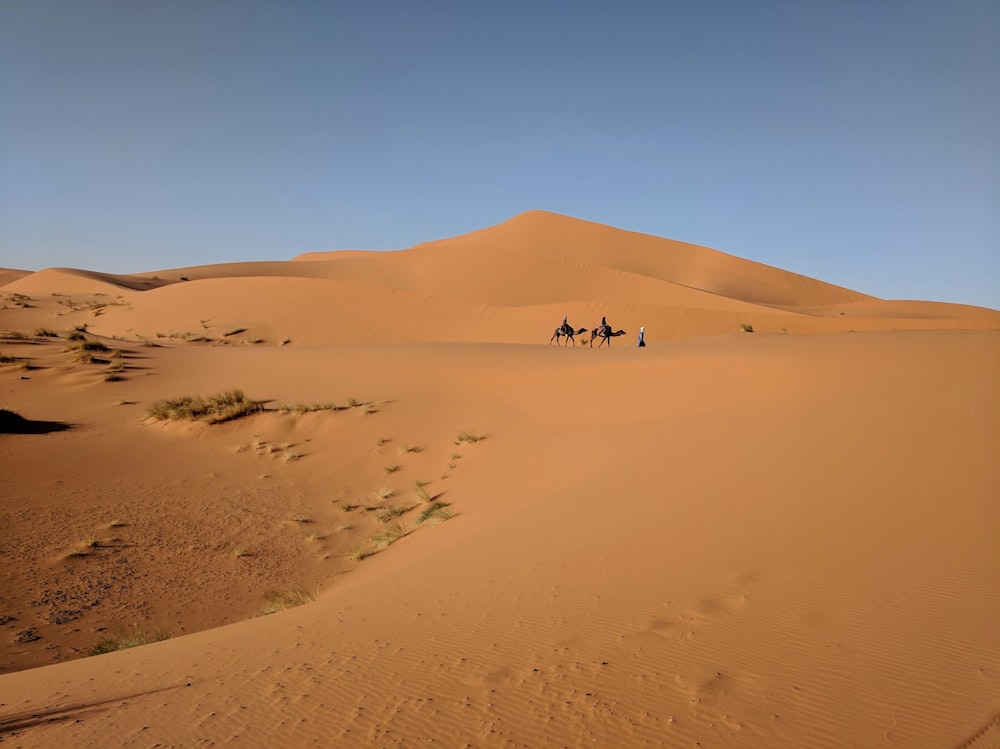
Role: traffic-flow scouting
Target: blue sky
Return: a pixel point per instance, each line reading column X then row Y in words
column 856, row 142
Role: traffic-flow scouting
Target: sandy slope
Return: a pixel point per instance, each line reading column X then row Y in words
column 721, row 540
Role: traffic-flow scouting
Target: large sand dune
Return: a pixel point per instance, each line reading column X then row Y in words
column 782, row 539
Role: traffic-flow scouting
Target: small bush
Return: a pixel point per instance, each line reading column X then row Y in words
column 469, row 438
column 86, row 345
column 746, row 327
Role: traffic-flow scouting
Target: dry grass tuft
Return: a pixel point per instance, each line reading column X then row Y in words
column 437, row 512
column 279, row 600
column 225, row 406
column 131, row 640
column 391, row 513
column 389, row 536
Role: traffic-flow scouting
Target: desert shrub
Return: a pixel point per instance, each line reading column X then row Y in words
column 86, row 345
column 469, row 438
column 746, row 327
column 225, row 406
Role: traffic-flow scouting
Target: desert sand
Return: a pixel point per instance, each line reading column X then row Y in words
column 784, row 538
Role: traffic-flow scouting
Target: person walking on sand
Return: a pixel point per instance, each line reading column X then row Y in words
column 642, row 337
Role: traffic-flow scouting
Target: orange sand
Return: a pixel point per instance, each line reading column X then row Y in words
column 782, row 539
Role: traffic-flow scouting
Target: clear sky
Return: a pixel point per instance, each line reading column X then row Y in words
column 855, row 141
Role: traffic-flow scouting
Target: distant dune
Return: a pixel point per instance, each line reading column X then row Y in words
column 423, row 522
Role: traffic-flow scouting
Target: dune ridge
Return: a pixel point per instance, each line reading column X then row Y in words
column 777, row 539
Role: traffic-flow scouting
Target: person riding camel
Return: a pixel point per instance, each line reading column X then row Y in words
column 604, row 327
column 566, row 328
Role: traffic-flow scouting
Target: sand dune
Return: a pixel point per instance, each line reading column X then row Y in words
column 782, row 539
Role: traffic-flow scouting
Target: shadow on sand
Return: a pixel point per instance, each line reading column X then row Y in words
column 12, row 423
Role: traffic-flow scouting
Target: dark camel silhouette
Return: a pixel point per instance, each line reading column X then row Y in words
column 565, row 331
column 604, row 333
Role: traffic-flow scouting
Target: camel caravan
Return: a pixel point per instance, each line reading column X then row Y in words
column 602, row 331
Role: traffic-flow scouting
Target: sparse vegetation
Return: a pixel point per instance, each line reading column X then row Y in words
column 279, row 600
column 131, row 640
column 389, row 536
column 408, row 448
column 225, row 406
column 469, row 438
column 45, row 333
column 359, row 552
column 234, row 331
column 391, row 513
column 88, row 345
column 301, row 408
column 438, row 511
column 746, row 327
column 23, row 363
column 13, row 335
column 391, row 469
column 422, row 494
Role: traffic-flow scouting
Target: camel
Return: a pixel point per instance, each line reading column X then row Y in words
column 604, row 333
column 565, row 331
